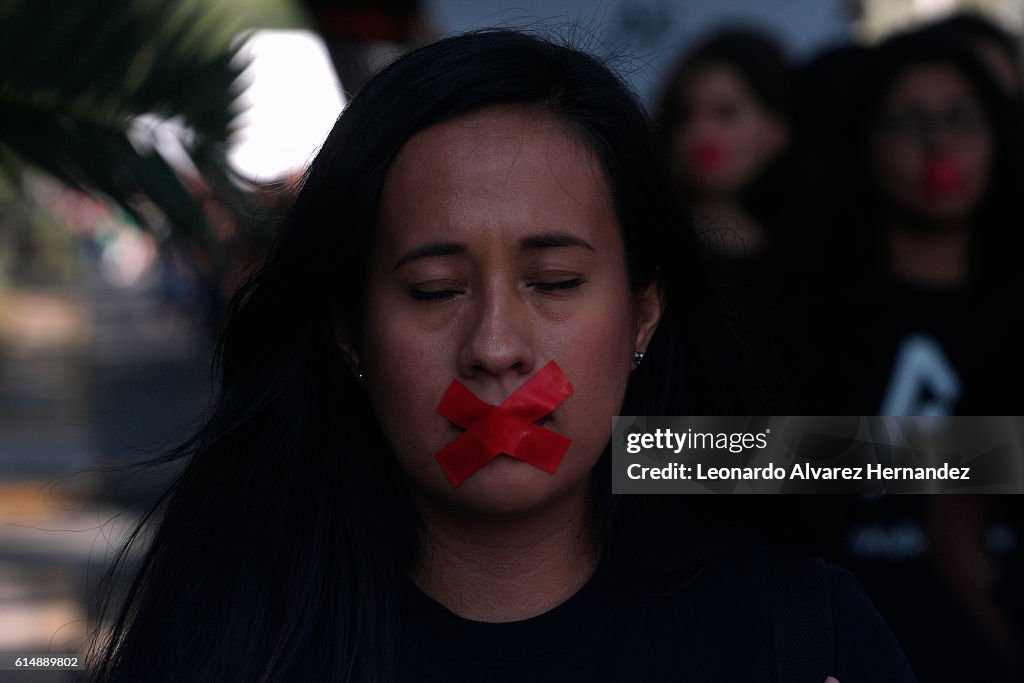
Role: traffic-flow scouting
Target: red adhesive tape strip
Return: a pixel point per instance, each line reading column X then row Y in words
column 942, row 178
column 508, row 428
column 708, row 156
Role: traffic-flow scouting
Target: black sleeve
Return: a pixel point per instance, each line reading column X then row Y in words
column 866, row 650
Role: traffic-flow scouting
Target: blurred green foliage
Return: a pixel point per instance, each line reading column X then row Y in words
column 77, row 75
column 266, row 13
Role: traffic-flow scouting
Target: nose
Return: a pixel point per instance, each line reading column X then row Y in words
column 938, row 138
column 499, row 336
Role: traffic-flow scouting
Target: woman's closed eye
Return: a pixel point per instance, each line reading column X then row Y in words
column 446, row 290
column 435, row 291
column 556, row 285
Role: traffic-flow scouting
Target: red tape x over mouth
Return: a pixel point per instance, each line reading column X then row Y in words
column 942, row 178
column 709, row 156
column 508, row 428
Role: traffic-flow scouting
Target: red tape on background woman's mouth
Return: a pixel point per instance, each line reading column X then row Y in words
column 508, row 428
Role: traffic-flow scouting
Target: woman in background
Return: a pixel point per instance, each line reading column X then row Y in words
column 722, row 122
column 920, row 260
column 916, row 270
column 723, row 119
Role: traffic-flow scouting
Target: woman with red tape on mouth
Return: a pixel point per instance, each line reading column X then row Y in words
column 723, row 125
column 918, row 266
column 723, row 118
column 484, row 253
column 918, row 284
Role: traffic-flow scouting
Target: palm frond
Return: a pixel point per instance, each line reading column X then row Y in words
column 75, row 74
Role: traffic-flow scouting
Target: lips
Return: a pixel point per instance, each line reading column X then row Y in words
column 708, row 156
column 942, row 178
column 540, row 423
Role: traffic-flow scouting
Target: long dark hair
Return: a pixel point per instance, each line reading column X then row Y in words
column 277, row 553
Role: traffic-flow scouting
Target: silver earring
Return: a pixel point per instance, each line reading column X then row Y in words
column 360, row 379
column 638, row 357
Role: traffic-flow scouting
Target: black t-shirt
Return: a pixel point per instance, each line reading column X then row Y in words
column 716, row 626
column 898, row 349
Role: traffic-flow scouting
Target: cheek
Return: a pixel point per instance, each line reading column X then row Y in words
column 748, row 155
column 897, row 169
column 407, row 371
column 767, row 138
column 597, row 359
column 977, row 161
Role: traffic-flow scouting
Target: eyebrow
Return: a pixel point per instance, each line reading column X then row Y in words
column 547, row 240
column 431, row 249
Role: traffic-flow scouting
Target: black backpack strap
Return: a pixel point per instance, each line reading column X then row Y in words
column 802, row 632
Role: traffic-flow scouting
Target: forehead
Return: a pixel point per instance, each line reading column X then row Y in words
column 930, row 85
column 495, row 175
column 715, row 80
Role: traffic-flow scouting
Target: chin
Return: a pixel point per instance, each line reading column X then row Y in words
column 931, row 215
column 956, row 209
column 507, row 486
column 715, row 184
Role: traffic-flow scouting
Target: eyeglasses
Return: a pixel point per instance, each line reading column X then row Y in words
column 915, row 124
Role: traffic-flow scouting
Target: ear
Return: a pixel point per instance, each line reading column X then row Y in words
column 650, row 305
column 343, row 338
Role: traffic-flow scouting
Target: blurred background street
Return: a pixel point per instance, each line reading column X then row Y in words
column 91, row 376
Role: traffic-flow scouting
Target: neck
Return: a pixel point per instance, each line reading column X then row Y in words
column 727, row 228
column 509, row 568
column 933, row 258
